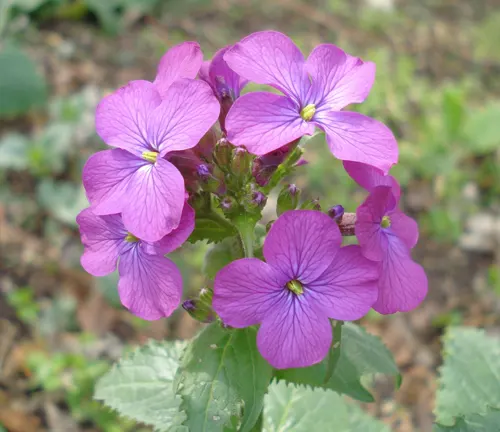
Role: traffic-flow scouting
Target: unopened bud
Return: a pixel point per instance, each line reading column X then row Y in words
column 301, row 162
column 269, row 225
column 311, row 205
column 208, row 181
column 288, row 199
column 240, row 165
column 336, row 212
column 222, row 153
column 199, row 310
column 229, row 206
column 259, row 199
column 206, row 145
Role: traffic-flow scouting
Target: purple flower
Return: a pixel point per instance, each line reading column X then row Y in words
column 307, row 278
column 368, row 177
column 181, row 61
column 150, row 285
column 225, row 83
column 135, row 179
column 315, row 91
column 386, row 235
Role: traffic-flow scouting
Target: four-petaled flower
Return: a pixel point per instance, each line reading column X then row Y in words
column 150, row 285
column 135, row 179
column 315, row 91
column 386, row 235
column 307, row 278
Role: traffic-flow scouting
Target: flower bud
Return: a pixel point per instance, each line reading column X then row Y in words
column 288, row 199
column 229, row 206
column 336, row 212
column 208, row 182
column 199, row 310
column 254, row 200
column 269, row 225
column 240, row 164
column 222, row 154
column 311, row 205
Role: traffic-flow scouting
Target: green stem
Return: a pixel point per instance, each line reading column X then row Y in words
column 334, row 355
column 246, row 235
column 259, row 424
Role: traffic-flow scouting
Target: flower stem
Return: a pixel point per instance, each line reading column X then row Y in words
column 246, row 227
column 334, row 354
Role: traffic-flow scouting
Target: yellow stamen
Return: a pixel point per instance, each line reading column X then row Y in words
column 386, row 222
column 131, row 238
column 295, row 286
column 150, row 156
column 308, row 112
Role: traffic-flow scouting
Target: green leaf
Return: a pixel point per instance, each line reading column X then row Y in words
column 211, row 227
column 141, row 386
column 64, row 200
column 21, row 86
column 453, row 112
column 221, row 372
column 13, row 149
column 221, row 254
column 300, row 409
column 470, row 375
column 361, row 357
column 474, row 423
column 481, row 128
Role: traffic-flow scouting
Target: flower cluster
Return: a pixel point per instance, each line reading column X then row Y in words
column 193, row 158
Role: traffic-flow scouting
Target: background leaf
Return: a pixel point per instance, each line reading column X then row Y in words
column 481, row 128
column 362, row 355
column 141, row 386
column 470, row 375
column 299, row 409
column 474, row 423
column 21, row 86
column 221, row 254
column 222, row 371
column 213, row 228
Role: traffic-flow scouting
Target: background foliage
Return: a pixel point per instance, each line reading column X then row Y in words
column 437, row 88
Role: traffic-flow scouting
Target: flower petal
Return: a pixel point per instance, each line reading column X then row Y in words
column 203, row 73
column 188, row 111
column 154, row 201
column 302, row 244
column 371, row 236
column 121, row 118
column 356, row 137
column 271, row 58
column 403, row 282
column 245, row 290
column 106, row 176
column 338, row 78
column 293, row 334
column 103, row 239
column 222, row 78
column 264, row 122
column 150, row 286
column 404, row 227
column 181, row 61
column 369, row 177
column 178, row 236
column 348, row 288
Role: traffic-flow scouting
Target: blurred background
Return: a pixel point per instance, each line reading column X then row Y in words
column 437, row 87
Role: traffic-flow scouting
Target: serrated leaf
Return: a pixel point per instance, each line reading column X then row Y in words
column 21, row 86
column 470, row 375
column 212, row 228
column 489, row 422
column 141, row 386
column 362, row 356
column 221, row 254
column 481, row 128
column 300, row 409
column 221, row 372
